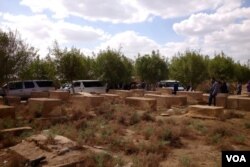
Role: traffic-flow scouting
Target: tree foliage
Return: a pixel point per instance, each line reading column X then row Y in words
column 189, row 68
column 151, row 68
column 113, row 67
column 15, row 54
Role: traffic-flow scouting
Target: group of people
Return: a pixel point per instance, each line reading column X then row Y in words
column 222, row 87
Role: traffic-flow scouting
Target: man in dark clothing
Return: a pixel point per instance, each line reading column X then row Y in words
column 213, row 92
column 224, row 88
column 176, row 85
column 239, row 88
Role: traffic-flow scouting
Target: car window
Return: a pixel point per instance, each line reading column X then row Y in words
column 93, row 84
column 44, row 83
column 15, row 85
column 76, row 84
column 29, row 84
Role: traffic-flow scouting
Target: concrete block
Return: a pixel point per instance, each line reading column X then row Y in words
column 112, row 98
column 80, row 103
column 39, row 94
column 142, row 103
column 221, row 100
column 63, row 95
column 161, row 100
column 43, row 107
column 205, row 111
column 193, row 97
column 168, row 91
column 123, row 93
column 13, row 100
column 244, row 103
column 7, row 112
column 137, row 92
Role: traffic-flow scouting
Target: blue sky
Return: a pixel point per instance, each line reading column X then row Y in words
column 135, row 26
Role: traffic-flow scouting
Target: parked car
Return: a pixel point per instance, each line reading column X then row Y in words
column 170, row 84
column 90, row 86
column 24, row 88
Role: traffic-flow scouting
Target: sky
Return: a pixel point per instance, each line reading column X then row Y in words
column 133, row 26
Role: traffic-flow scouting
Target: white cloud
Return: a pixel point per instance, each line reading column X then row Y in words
column 40, row 31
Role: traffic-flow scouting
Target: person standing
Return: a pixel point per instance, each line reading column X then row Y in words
column 176, row 85
column 248, row 87
column 213, row 92
column 224, row 88
column 239, row 88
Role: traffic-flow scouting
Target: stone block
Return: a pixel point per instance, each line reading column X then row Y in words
column 95, row 100
column 142, row 103
column 39, row 94
column 7, row 112
column 137, row 92
column 123, row 93
column 1, row 100
column 161, row 100
column 43, row 107
column 63, row 95
column 244, row 103
column 153, row 92
column 193, row 97
column 111, row 98
column 233, row 102
column 168, row 91
column 13, row 100
column 80, row 103
column 221, row 100
column 205, row 111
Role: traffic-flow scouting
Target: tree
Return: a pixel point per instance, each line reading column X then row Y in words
column 14, row 55
column 189, row 68
column 221, row 67
column 151, row 68
column 242, row 72
column 113, row 67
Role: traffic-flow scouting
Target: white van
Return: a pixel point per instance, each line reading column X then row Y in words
column 170, row 84
column 90, row 86
column 24, row 88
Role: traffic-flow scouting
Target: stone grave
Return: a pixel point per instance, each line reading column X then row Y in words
column 63, row 95
column 123, row 93
column 221, row 99
column 111, row 98
column 163, row 90
column 193, row 97
column 244, row 103
column 94, row 100
column 80, row 103
column 162, row 100
column 1, row 100
column 137, row 92
column 43, row 107
column 152, row 92
column 13, row 100
column 142, row 103
column 7, row 112
column 37, row 94
column 205, row 112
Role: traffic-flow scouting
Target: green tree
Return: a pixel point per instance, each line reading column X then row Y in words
column 222, row 67
column 151, row 68
column 113, row 67
column 189, row 68
column 14, row 55
column 242, row 72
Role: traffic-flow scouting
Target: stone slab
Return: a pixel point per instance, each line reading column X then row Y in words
column 137, row 92
column 152, row 92
column 39, row 94
column 165, row 90
column 193, row 97
column 80, row 103
column 205, row 111
column 43, row 107
column 13, row 100
column 123, row 93
column 233, row 102
column 162, row 100
column 112, row 98
column 142, row 103
column 63, row 95
column 244, row 103
column 7, row 111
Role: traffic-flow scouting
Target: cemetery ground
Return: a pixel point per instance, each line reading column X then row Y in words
column 125, row 128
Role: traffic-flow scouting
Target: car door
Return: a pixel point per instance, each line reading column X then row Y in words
column 15, row 89
column 29, row 86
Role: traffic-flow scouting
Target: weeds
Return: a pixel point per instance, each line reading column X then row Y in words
column 185, row 161
column 240, row 139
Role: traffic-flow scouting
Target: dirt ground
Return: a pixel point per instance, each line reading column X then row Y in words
column 130, row 137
